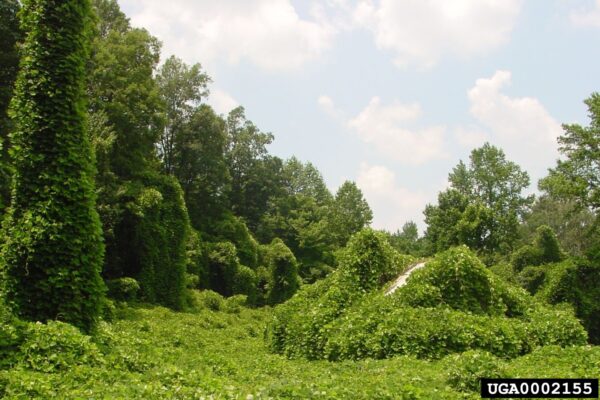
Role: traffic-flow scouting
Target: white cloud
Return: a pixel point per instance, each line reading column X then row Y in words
column 392, row 204
column 385, row 127
column 586, row 18
column 268, row 33
column 421, row 31
column 520, row 125
column 470, row 137
column 221, row 101
column 326, row 104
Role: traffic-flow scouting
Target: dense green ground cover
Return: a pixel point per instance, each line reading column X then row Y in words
column 219, row 352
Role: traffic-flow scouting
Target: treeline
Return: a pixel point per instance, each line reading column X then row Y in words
column 187, row 198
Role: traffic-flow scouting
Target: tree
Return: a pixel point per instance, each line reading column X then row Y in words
column 255, row 175
column 283, row 267
column 199, row 165
column 53, row 251
column 121, row 84
column 10, row 34
column 350, row 213
column 407, row 240
column 483, row 206
column 573, row 225
column 181, row 89
column 578, row 176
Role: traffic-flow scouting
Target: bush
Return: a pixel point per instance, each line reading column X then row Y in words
column 531, row 278
column 223, row 265
column 123, row 289
column 283, row 267
column 233, row 229
column 525, row 256
column 548, row 245
column 456, row 278
column 245, row 283
column 452, row 305
column 210, row 300
column 467, row 369
column 196, row 261
column 57, row 346
column 11, row 335
column 576, row 282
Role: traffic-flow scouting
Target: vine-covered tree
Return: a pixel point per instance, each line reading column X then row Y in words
column 484, row 205
column 10, row 34
column 53, row 251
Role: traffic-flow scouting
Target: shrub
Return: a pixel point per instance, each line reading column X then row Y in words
column 245, row 283
column 525, row 256
column 576, row 282
column 11, row 335
column 456, row 278
column 223, row 265
column 283, row 267
column 53, row 252
column 123, row 289
column 548, row 245
column 531, row 278
column 57, row 346
column 210, row 300
column 233, row 229
column 196, row 262
column 467, row 369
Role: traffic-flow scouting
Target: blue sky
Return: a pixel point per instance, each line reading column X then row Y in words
column 392, row 93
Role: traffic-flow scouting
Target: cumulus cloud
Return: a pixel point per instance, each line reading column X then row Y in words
column 221, row 101
column 587, row 18
column 520, row 125
column 267, row 33
column 386, row 128
column 470, row 137
column 326, row 104
column 392, row 205
column 419, row 32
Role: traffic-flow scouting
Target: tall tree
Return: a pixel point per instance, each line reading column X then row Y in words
column 577, row 177
column 53, row 251
column 350, row 213
column 255, row 175
column 484, row 205
column 181, row 89
column 10, row 34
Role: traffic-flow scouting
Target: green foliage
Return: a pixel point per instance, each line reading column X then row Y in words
column 576, row 282
column 300, row 326
column 284, row 280
column 467, row 369
column 245, row 283
column 150, row 240
column 483, row 206
column 531, row 278
column 577, row 175
column 197, row 264
column 451, row 305
column 57, row 346
column 123, row 289
column 545, row 249
column 233, row 229
column 153, row 353
column 210, row 300
column 10, row 34
column 121, row 84
column 460, row 281
column 349, row 214
column 223, row 265
column 573, row 225
column 53, row 253
column 11, row 335
column 181, row 88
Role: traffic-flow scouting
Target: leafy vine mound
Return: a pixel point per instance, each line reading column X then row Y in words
column 453, row 304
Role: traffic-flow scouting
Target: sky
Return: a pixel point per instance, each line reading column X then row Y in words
column 392, row 94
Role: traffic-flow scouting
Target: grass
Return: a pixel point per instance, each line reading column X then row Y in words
column 154, row 353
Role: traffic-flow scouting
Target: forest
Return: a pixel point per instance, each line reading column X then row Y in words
column 152, row 248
